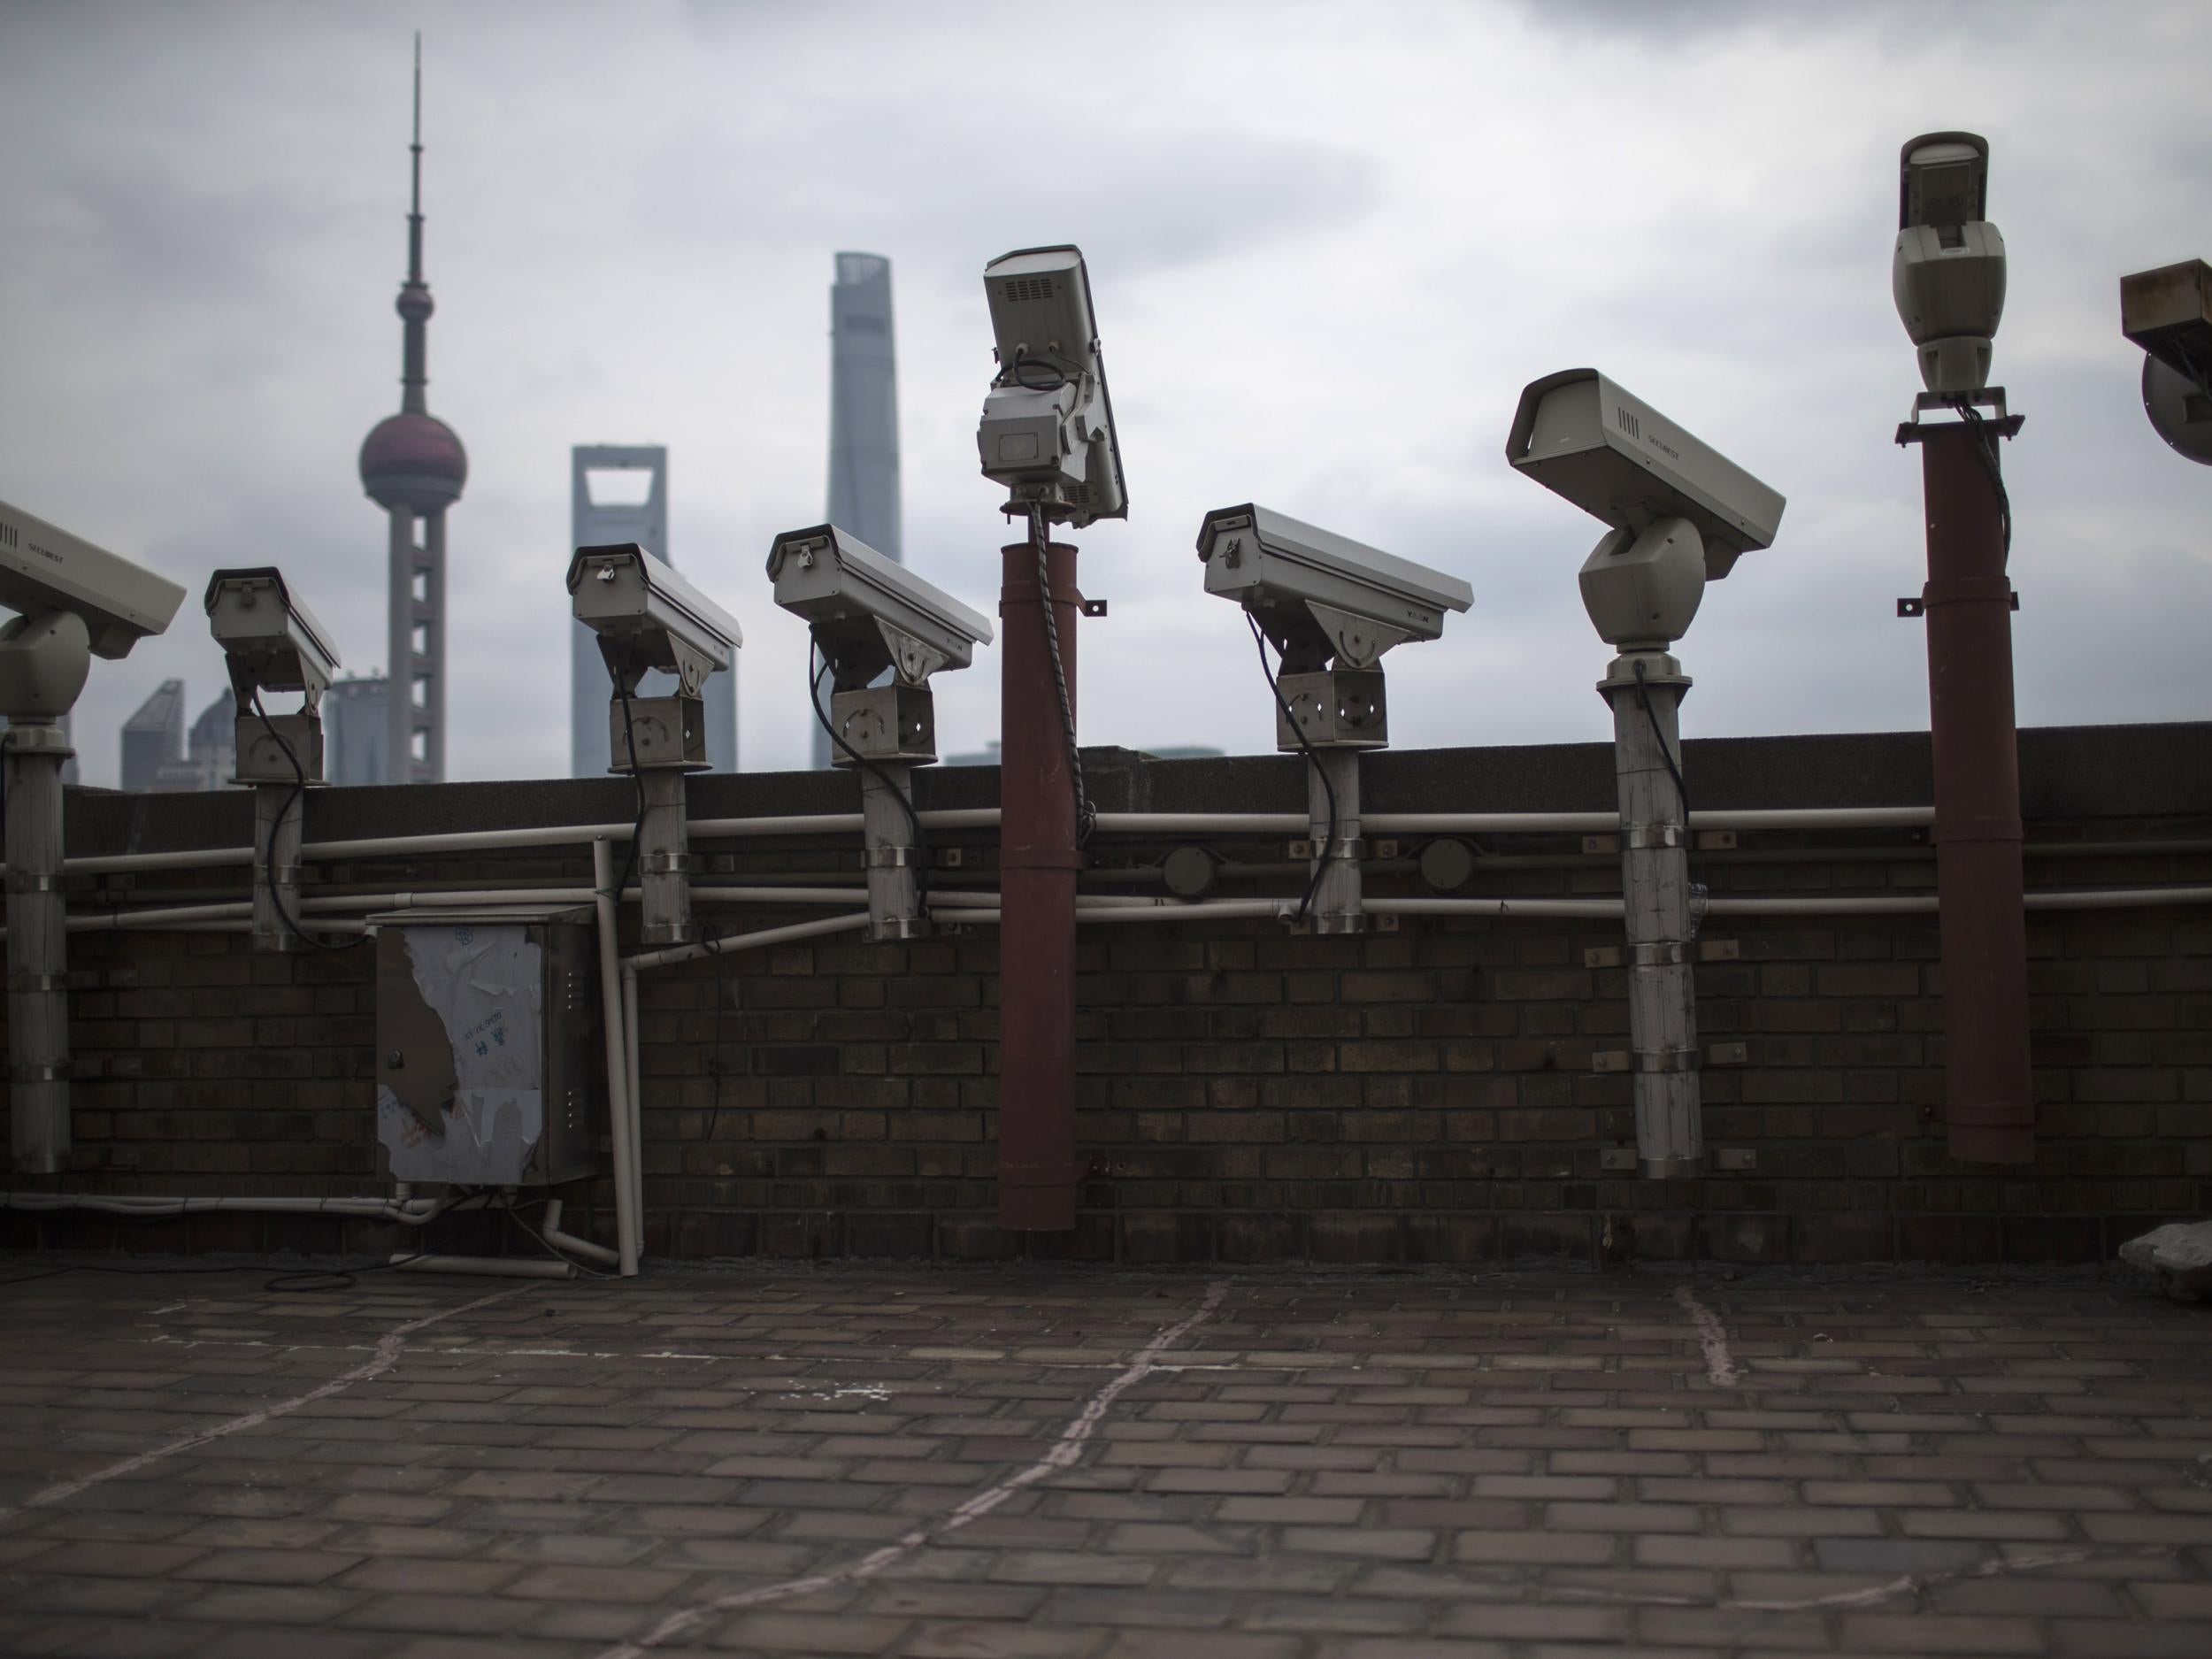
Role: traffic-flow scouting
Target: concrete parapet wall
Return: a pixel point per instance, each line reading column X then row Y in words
column 1423, row 1094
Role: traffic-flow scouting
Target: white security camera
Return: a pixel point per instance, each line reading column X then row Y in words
column 1048, row 431
column 868, row 612
column 1332, row 606
column 2169, row 314
column 1681, row 512
column 45, row 569
column 271, row 641
column 1948, row 273
column 648, row 616
column 1323, row 598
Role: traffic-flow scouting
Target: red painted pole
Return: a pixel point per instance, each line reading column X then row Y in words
column 1989, row 1105
column 1038, row 861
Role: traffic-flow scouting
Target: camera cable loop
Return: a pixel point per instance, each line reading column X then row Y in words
column 1086, row 814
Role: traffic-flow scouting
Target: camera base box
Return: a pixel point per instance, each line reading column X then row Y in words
column 1338, row 707
column 886, row 723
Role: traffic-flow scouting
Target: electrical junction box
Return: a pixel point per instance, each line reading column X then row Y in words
column 489, row 1066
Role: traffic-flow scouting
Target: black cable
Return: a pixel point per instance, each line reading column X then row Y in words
column 913, row 818
column 1986, row 448
column 1086, row 814
column 1016, row 375
column 1321, row 858
column 299, row 789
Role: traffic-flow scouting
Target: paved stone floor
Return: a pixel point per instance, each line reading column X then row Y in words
column 1044, row 1465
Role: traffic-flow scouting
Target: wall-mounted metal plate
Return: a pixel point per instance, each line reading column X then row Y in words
column 1386, row 850
column 1735, row 1160
column 1716, row 840
column 1719, row 950
column 1384, row 924
column 1603, row 957
column 1593, row 844
column 1612, row 1060
column 1617, row 1159
column 1727, row 1053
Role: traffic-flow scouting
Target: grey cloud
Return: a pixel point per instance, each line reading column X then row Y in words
column 1141, row 200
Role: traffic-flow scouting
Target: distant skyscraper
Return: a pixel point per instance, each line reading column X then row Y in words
column 355, row 730
column 413, row 467
column 211, row 749
column 154, row 737
column 864, row 466
column 594, row 523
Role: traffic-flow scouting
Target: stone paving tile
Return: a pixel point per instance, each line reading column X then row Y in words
column 1330, row 1465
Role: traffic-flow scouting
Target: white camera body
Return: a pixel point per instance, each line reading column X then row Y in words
column 1680, row 512
column 868, row 612
column 1323, row 597
column 271, row 641
column 1620, row 460
column 1048, row 427
column 1947, row 271
column 648, row 616
column 44, row 568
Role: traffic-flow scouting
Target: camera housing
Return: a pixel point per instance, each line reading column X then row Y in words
column 1319, row 596
column 868, row 613
column 44, row 568
column 1620, row 460
column 270, row 640
column 1947, row 270
column 272, row 643
column 1047, row 428
column 1332, row 606
column 648, row 616
column 2169, row 314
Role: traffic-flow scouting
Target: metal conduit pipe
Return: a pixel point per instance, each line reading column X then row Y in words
column 408, row 1212
column 1291, row 824
column 549, row 1230
column 626, row 1214
column 486, row 1266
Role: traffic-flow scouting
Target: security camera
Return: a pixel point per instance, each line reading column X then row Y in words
column 1948, row 273
column 1620, row 460
column 1680, row 512
column 1048, row 431
column 648, row 616
column 45, row 569
column 271, row 641
column 1323, row 598
column 868, row 612
column 2169, row 314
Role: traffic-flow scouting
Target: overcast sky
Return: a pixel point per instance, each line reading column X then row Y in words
column 1328, row 244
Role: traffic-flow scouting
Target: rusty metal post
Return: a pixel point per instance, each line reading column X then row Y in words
column 1989, row 1105
column 1038, row 861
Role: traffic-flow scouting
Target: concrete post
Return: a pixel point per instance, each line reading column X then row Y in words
column 664, row 860
column 1336, row 900
column 894, row 904
column 34, row 752
column 1656, row 889
column 276, row 865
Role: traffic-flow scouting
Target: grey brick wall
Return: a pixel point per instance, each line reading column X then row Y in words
column 1424, row 1095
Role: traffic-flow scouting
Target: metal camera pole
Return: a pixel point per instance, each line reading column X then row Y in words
column 38, row 1006
column 1645, row 689
column 1989, row 1103
column 1038, row 858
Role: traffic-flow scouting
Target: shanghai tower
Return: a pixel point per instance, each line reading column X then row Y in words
column 413, row 467
column 864, row 466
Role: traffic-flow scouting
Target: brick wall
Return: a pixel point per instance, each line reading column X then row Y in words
column 1424, row 1095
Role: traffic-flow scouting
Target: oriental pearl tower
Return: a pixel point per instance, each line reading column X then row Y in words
column 412, row 465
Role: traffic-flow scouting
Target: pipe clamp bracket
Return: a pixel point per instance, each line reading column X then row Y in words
column 39, row 1073
column 665, row 864
column 1651, row 837
column 887, row 859
column 29, row 881
column 38, row 982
